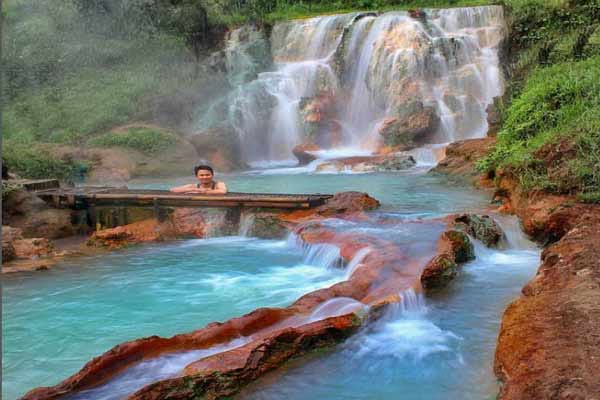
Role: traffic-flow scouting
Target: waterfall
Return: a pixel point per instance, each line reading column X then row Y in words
column 360, row 81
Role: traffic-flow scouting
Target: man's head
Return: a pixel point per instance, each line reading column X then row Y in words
column 204, row 173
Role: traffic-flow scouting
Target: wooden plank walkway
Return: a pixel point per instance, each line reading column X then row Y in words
column 84, row 197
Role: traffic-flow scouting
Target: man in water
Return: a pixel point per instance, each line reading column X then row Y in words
column 205, row 185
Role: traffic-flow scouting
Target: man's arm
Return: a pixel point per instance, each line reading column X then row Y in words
column 183, row 189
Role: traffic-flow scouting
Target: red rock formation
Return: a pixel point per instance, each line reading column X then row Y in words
column 14, row 246
column 544, row 216
column 343, row 205
column 182, row 223
column 549, row 343
column 224, row 374
column 461, row 157
column 454, row 247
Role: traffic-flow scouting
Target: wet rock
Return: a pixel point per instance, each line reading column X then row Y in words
column 388, row 162
column 348, row 202
column 343, row 205
column 219, row 146
column 303, row 152
column 549, row 341
column 318, row 118
column 267, row 226
column 15, row 246
column 494, row 117
column 22, row 209
column 396, row 162
column 32, row 248
column 439, row 272
column 411, row 130
column 545, row 217
column 224, row 374
column 454, row 247
column 481, row 227
column 9, row 236
column 182, row 223
column 461, row 157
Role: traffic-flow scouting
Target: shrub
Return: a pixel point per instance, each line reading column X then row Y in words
column 550, row 138
column 33, row 161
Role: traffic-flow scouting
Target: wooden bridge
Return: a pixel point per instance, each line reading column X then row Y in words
column 83, row 197
column 110, row 206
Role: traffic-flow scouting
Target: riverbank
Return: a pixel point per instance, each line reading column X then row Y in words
column 548, row 343
column 203, row 284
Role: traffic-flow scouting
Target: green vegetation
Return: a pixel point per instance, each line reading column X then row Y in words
column 550, row 137
column 75, row 69
column 147, row 140
column 36, row 161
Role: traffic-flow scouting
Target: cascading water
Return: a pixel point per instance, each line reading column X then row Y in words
column 359, row 81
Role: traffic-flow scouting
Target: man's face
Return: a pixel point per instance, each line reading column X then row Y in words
column 204, row 176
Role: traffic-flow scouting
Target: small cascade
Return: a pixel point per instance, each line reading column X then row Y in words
column 325, row 255
column 514, row 237
column 356, row 261
column 334, row 307
column 246, row 223
column 320, row 254
column 152, row 370
column 403, row 332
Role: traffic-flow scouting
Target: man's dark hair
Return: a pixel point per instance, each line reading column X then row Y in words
column 205, row 167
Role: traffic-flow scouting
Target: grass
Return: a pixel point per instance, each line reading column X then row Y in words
column 298, row 10
column 150, row 141
column 550, row 139
column 89, row 102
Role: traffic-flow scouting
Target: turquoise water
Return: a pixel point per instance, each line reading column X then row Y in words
column 55, row 321
column 440, row 348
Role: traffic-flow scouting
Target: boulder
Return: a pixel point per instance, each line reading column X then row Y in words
column 24, row 210
column 267, row 226
column 219, row 146
column 302, row 152
column 481, row 227
column 9, row 236
column 461, row 157
column 33, row 248
column 439, row 271
column 348, row 202
column 454, row 247
column 411, row 129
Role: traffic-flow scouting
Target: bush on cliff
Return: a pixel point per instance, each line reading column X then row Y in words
column 35, row 161
column 550, row 135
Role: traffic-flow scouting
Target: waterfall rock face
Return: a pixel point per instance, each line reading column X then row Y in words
column 363, row 80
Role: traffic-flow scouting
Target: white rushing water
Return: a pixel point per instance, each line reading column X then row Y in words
column 352, row 72
column 151, row 370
